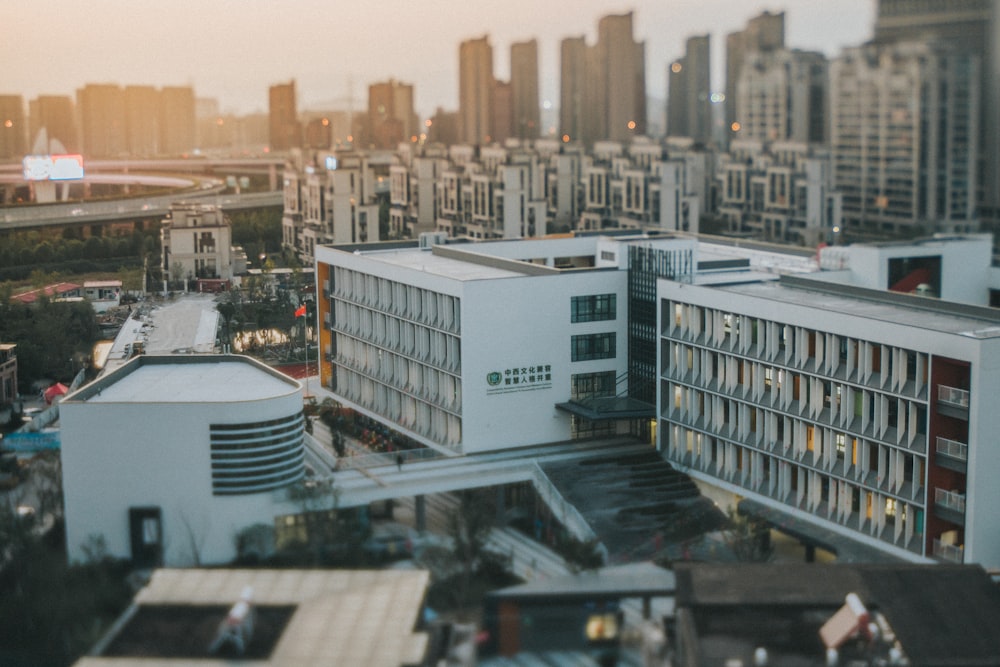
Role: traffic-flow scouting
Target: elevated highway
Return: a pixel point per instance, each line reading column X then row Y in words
column 106, row 211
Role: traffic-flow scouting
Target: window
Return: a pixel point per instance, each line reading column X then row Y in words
column 593, row 308
column 593, row 346
column 592, row 385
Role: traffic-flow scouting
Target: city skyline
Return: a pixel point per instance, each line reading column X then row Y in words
column 205, row 46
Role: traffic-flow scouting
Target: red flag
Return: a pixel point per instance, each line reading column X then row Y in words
column 300, row 311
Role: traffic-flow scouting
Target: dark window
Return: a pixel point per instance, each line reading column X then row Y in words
column 592, row 308
column 593, row 346
column 593, row 385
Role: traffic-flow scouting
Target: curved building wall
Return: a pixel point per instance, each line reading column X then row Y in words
column 121, row 455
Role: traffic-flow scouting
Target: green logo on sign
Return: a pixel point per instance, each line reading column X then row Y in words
column 494, row 378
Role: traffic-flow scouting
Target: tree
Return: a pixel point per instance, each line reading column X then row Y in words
column 469, row 527
column 749, row 538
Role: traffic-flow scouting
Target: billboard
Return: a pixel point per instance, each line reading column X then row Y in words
column 53, row 167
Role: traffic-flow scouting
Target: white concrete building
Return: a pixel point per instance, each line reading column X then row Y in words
column 197, row 243
column 167, row 458
column 829, row 387
column 471, row 347
column 867, row 412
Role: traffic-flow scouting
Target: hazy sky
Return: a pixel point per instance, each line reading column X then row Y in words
column 233, row 50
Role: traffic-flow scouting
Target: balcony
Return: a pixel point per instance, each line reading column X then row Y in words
column 950, row 506
column 953, row 402
column 953, row 553
column 951, row 454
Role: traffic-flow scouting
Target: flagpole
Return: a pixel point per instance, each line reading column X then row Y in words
column 305, row 340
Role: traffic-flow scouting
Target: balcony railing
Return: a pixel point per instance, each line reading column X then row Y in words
column 950, row 499
column 952, row 448
column 953, row 396
column 954, row 553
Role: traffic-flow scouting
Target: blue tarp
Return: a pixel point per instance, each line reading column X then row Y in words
column 30, row 442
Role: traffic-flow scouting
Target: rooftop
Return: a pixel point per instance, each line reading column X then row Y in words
column 338, row 618
column 940, row 614
column 914, row 311
column 187, row 379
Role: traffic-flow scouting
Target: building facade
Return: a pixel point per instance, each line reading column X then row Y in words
column 216, row 441
column 475, row 91
column 433, row 341
column 857, row 409
column 779, row 191
column 13, row 128
column 689, row 107
column 56, row 116
column 285, row 130
column 904, row 128
column 391, row 118
column 197, row 243
column 764, row 32
column 781, row 95
column 524, row 89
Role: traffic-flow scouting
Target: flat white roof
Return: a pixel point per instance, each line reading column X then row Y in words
column 427, row 261
column 934, row 316
column 202, row 379
column 343, row 618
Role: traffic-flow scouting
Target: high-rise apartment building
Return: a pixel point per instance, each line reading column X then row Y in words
column 603, row 87
column 622, row 75
column 177, row 120
column 475, row 91
column 524, row 89
column 56, row 115
column 572, row 87
column 765, row 32
column 904, row 130
column 689, row 106
column 502, row 112
column 142, row 120
column 285, row 130
column 13, row 128
column 781, row 96
column 972, row 26
column 391, row 118
column 102, row 120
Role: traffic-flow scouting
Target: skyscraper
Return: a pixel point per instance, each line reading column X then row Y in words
column 142, row 120
column 283, row 120
column 13, row 128
column 689, row 106
column 54, row 114
column 572, row 87
column 603, row 87
column 177, row 120
column 972, row 26
column 781, row 96
column 622, row 75
column 102, row 120
column 764, row 32
column 391, row 118
column 904, row 123
column 524, row 89
column 475, row 91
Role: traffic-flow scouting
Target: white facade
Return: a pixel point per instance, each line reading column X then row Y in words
column 168, row 458
column 470, row 347
column 197, row 241
column 866, row 412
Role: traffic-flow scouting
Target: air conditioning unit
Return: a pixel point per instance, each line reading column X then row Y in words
column 428, row 239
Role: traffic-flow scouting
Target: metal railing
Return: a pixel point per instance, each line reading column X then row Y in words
column 952, row 448
column 954, row 553
column 953, row 396
column 950, row 499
